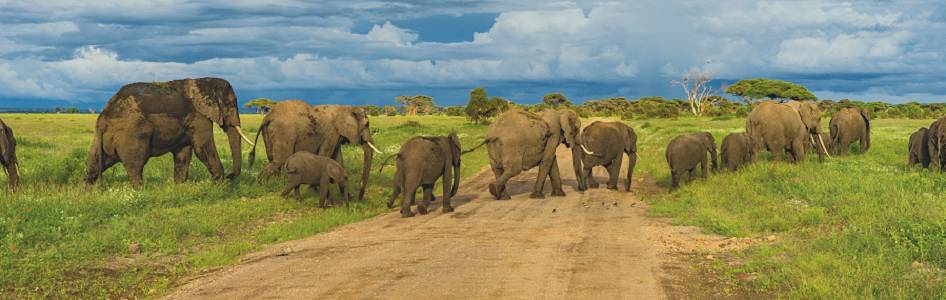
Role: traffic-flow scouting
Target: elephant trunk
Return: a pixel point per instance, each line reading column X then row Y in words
column 366, row 167
column 713, row 155
column 632, row 161
column 13, row 171
column 577, row 156
column 233, row 136
column 456, row 180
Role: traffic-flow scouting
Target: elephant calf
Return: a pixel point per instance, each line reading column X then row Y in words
column 420, row 162
column 735, row 147
column 685, row 151
column 608, row 141
column 919, row 152
column 316, row 171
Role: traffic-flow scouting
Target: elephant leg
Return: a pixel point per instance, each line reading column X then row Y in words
column 428, row 194
column 206, row 150
column 912, row 161
column 323, row 190
column 703, row 166
column 544, row 169
column 777, row 154
column 292, row 184
column 690, row 175
column 408, row 193
column 510, row 169
column 675, row 181
column 585, row 175
column 614, row 170
column 182, row 162
column 631, row 163
column 556, row 178
column 798, row 149
column 395, row 192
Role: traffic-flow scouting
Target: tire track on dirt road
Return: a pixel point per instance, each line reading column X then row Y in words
column 486, row 249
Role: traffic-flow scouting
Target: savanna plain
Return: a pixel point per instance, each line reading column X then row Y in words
column 863, row 226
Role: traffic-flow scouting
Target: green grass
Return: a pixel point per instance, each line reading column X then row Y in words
column 850, row 228
column 60, row 239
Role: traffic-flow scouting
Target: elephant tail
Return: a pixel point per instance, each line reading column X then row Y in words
column 485, row 141
column 252, row 157
column 386, row 160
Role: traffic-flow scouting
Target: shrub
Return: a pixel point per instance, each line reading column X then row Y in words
column 628, row 115
column 392, row 113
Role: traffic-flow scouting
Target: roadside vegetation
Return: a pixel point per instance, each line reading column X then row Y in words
column 852, row 228
column 60, row 239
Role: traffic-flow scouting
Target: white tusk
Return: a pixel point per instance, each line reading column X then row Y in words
column 244, row 137
column 373, row 148
column 17, row 167
column 822, row 146
column 586, row 149
column 638, row 156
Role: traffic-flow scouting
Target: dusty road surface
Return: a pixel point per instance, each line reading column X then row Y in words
column 571, row 247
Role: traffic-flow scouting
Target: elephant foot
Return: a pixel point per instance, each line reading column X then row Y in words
column 390, row 204
column 494, row 191
column 447, row 208
column 593, row 185
column 407, row 214
column 536, row 195
column 614, row 188
column 558, row 193
column 422, row 209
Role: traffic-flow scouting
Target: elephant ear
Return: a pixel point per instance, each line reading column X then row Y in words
column 866, row 115
column 707, row 139
column 807, row 116
column 630, row 141
column 213, row 98
column 346, row 123
column 7, row 143
column 570, row 124
column 455, row 148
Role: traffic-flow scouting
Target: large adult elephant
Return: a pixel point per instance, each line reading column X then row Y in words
column 8, row 155
column 609, row 141
column 520, row 141
column 145, row 120
column 850, row 125
column 292, row 126
column 776, row 127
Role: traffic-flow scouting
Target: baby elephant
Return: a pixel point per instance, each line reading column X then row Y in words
column 608, row 142
column 919, row 152
column 316, row 171
column 420, row 162
column 685, row 151
column 735, row 147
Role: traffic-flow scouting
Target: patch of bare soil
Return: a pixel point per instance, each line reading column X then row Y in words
column 601, row 244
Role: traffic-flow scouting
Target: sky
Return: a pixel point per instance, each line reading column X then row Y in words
column 80, row 52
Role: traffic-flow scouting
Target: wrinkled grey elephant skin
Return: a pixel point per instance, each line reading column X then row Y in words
column 318, row 172
column 937, row 144
column 778, row 127
column 8, row 155
column 292, row 126
column 609, row 141
column 420, row 162
column 736, row 148
column 685, row 152
column 145, row 120
column 850, row 125
column 519, row 141
column 919, row 152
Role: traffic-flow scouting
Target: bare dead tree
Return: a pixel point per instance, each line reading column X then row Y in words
column 696, row 86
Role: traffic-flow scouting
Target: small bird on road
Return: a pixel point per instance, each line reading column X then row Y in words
column 554, row 210
column 615, row 204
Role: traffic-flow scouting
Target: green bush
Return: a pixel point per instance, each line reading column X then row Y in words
column 392, row 113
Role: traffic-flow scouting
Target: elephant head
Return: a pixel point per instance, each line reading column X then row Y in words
column 339, row 175
column 353, row 127
column 8, row 155
column 571, row 133
column 709, row 142
column 453, row 157
column 214, row 98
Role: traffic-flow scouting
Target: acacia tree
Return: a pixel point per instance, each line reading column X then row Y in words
column 696, row 86
column 554, row 99
column 753, row 90
column 262, row 105
column 412, row 103
column 480, row 108
column 58, row 109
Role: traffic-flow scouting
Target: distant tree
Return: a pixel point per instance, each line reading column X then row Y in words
column 753, row 90
column 455, row 111
column 262, row 105
column 58, row 109
column 72, row 110
column 554, row 99
column 479, row 109
column 696, row 86
column 413, row 103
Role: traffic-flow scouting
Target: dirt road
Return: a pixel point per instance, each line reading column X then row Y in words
column 571, row 247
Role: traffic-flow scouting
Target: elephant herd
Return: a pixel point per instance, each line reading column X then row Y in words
column 145, row 120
